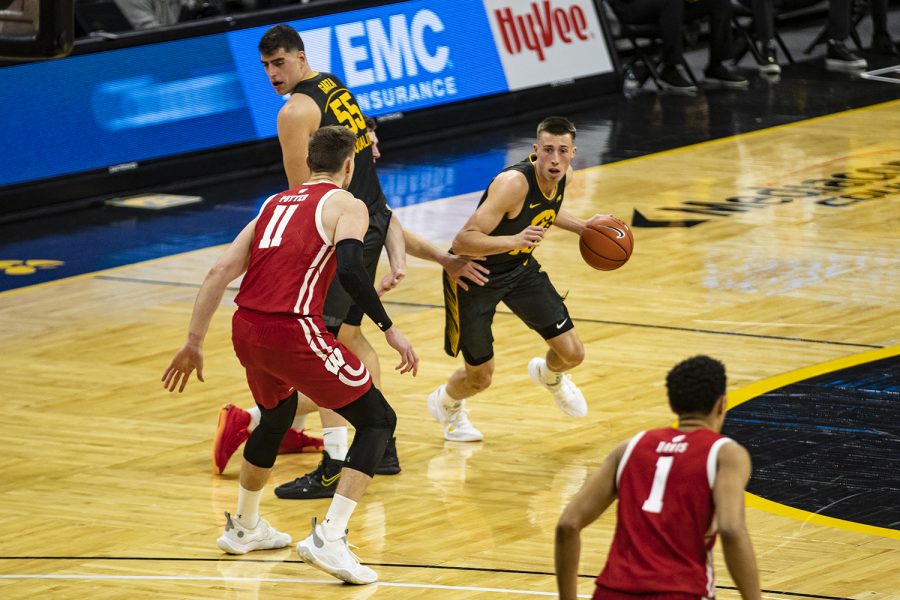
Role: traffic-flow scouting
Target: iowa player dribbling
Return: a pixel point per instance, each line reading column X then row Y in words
column 520, row 204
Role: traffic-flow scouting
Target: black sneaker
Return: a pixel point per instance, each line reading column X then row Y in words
column 671, row 79
column 840, row 58
column 321, row 483
column 721, row 75
column 769, row 64
column 390, row 462
column 883, row 44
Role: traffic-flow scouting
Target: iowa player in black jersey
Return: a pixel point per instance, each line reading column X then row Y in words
column 520, row 204
column 317, row 100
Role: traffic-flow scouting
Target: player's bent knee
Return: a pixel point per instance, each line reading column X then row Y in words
column 375, row 422
column 479, row 380
column 261, row 448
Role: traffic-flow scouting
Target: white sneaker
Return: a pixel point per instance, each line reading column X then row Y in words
column 454, row 418
column 568, row 397
column 238, row 539
column 335, row 558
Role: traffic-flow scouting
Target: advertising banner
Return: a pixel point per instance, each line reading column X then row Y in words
column 114, row 109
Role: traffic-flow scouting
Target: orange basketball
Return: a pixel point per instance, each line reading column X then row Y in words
column 606, row 243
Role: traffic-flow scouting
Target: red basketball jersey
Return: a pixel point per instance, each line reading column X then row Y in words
column 664, row 534
column 292, row 259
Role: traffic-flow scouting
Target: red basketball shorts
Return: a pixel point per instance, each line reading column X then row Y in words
column 281, row 354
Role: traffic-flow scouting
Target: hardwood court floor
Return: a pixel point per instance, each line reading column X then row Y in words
column 107, row 491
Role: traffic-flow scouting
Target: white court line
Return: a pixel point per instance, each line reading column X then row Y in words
column 94, row 577
column 877, row 74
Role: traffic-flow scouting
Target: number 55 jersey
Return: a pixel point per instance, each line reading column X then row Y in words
column 339, row 107
column 665, row 532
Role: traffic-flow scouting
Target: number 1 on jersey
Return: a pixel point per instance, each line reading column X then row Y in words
column 654, row 502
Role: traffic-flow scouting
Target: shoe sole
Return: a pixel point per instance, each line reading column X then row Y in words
column 309, row 558
column 841, row 65
column 674, row 89
column 728, row 85
column 287, row 495
column 225, row 545
column 770, row 69
column 220, row 430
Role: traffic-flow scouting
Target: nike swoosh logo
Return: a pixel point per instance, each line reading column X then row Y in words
column 560, row 324
column 326, row 481
column 535, row 205
column 619, row 232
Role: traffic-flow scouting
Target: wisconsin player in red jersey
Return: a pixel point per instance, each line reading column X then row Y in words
column 677, row 488
column 290, row 253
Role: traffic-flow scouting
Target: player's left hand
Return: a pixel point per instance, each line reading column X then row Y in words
column 460, row 267
column 390, row 281
column 187, row 359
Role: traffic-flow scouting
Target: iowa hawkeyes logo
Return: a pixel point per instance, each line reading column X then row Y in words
column 28, row 267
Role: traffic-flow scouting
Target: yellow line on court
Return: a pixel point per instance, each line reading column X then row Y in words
column 754, row 390
column 773, row 383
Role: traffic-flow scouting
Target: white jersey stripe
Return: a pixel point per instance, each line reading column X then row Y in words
column 628, row 450
column 309, row 340
column 312, row 285
column 317, row 344
column 310, row 272
column 712, row 460
column 320, row 226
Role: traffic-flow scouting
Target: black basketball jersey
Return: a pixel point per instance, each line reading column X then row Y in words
column 537, row 209
column 339, row 107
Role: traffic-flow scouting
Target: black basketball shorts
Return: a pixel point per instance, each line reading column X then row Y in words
column 526, row 291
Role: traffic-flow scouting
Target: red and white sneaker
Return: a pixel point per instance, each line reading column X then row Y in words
column 296, row 441
column 231, row 432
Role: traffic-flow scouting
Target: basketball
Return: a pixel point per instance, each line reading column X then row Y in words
column 606, row 243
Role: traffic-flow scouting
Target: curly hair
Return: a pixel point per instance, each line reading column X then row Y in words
column 695, row 385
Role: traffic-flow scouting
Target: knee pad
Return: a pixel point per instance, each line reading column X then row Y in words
column 262, row 446
column 375, row 422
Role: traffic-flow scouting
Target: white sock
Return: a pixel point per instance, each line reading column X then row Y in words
column 248, row 507
column 255, row 416
column 336, row 442
column 547, row 376
column 299, row 422
column 335, row 523
column 446, row 399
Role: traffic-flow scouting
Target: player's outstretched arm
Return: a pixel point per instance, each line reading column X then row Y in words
column 594, row 497
column 506, row 196
column 461, row 269
column 396, row 250
column 231, row 264
column 728, row 495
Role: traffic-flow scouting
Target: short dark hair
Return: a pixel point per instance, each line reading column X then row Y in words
column 695, row 384
column 329, row 147
column 371, row 123
column 556, row 126
column 280, row 36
